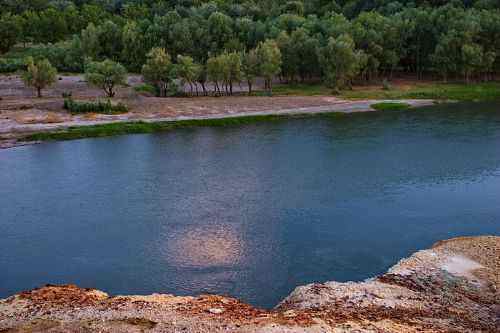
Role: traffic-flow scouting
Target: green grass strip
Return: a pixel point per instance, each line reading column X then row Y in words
column 390, row 106
column 135, row 127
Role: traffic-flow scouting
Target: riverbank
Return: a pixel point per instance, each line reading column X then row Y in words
column 154, row 114
column 451, row 287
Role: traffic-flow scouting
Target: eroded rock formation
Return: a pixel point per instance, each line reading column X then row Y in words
column 452, row 287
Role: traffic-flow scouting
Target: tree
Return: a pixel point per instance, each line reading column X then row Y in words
column 110, row 40
column 52, row 26
column 90, row 41
column 106, row 75
column 339, row 61
column 472, row 60
column 188, row 71
column 250, row 68
column 134, row 51
column 290, row 61
column 202, row 79
column 299, row 54
column 158, row 70
column 447, row 54
column 39, row 74
column 269, row 56
column 215, row 72
column 10, row 31
column 487, row 63
column 220, row 30
column 233, row 60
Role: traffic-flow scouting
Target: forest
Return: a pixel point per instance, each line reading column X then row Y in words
column 227, row 41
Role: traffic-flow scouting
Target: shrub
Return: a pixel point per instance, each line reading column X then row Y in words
column 39, row 74
column 9, row 65
column 65, row 56
column 94, row 107
column 106, row 75
column 386, row 85
column 67, row 94
column 174, row 89
column 147, row 89
column 390, row 106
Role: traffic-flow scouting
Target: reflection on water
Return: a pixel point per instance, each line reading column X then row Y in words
column 248, row 211
column 202, row 247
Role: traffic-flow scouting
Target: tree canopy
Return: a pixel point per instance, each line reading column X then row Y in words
column 39, row 74
column 452, row 39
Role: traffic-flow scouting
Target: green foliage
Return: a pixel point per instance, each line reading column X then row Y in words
column 94, row 107
column 340, row 62
column 232, row 70
column 147, row 89
column 188, row 71
column 106, row 75
column 269, row 56
column 39, row 74
column 9, row 65
column 250, row 68
column 456, row 92
column 10, row 31
column 134, row 46
column 302, row 89
column 299, row 53
column 224, row 71
column 386, row 85
column 90, row 42
column 390, row 106
column 103, row 130
column 158, row 70
column 215, row 72
column 455, row 39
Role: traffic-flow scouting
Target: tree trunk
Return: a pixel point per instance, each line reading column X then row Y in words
column 249, row 87
column 39, row 92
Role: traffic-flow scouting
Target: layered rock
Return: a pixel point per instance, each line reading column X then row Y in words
column 452, row 287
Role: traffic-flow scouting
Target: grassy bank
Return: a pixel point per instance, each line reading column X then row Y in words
column 136, row 127
column 416, row 90
column 390, row 106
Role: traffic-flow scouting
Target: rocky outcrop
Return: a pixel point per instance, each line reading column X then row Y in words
column 452, row 287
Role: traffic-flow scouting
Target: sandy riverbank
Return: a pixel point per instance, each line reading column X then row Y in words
column 452, row 287
column 18, row 122
column 22, row 114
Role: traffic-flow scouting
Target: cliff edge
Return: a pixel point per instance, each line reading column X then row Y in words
column 452, row 287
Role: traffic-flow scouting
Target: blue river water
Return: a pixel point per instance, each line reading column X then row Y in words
column 250, row 211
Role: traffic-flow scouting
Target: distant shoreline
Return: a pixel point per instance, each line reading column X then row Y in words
column 23, row 134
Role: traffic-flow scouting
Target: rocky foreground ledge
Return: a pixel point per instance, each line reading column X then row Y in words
column 452, row 287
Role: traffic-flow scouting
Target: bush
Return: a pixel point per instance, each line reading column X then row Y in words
column 174, row 89
column 67, row 94
column 147, row 89
column 386, row 85
column 11, row 65
column 94, row 107
column 390, row 106
column 65, row 56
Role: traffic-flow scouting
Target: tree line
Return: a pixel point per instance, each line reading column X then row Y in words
column 226, row 41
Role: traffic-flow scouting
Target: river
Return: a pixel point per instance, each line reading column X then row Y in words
column 250, row 211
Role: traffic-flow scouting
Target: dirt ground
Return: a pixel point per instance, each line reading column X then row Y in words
column 21, row 113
